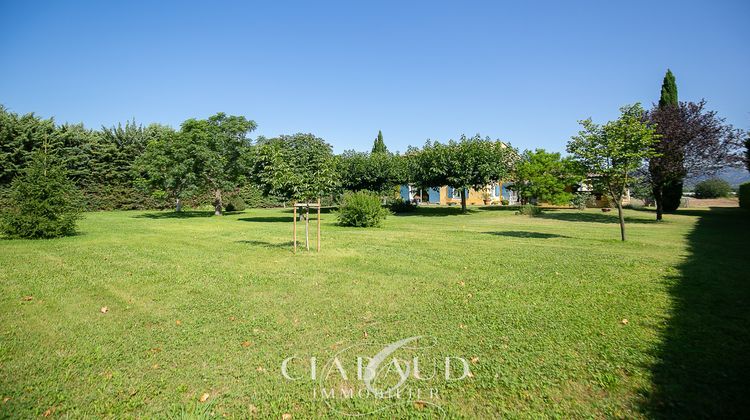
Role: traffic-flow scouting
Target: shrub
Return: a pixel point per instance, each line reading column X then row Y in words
column 43, row 202
column 712, row 188
column 235, row 203
column 529, row 210
column 361, row 209
column 398, row 205
column 744, row 193
column 635, row 204
column 504, row 202
column 580, row 200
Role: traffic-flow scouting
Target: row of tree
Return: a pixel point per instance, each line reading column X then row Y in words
column 133, row 166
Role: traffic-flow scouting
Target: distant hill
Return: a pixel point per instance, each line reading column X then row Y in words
column 734, row 176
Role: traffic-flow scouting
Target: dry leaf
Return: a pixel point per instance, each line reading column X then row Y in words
column 48, row 412
column 156, row 366
column 470, row 295
column 470, row 375
column 474, row 359
column 245, row 344
column 27, row 298
column 365, row 334
column 462, row 283
column 6, row 399
column 204, row 397
column 178, row 322
column 624, row 322
column 104, row 310
column 260, row 369
column 419, row 405
column 462, row 326
column 155, row 350
column 231, row 318
column 286, row 416
column 253, row 409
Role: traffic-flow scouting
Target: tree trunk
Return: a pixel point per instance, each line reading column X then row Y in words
column 178, row 205
column 463, row 200
column 307, row 227
column 217, row 203
column 659, row 198
column 622, row 219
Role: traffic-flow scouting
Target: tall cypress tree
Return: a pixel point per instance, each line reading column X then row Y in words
column 379, row 145
column 668, row 91
column 667, row 173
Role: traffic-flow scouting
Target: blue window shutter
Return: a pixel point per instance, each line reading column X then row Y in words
column 497, row 190
column 450, row 192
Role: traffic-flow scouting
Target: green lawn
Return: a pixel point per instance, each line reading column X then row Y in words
column 201, row 304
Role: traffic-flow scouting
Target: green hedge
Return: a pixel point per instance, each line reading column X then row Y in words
column 744, row 193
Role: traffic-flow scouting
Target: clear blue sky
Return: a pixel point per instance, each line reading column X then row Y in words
column 524, row 72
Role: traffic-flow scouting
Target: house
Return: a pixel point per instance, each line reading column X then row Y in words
column 446, row 195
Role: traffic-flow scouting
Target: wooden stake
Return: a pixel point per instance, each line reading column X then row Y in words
column 307, row 226
column 318, row 224
column 294, row 241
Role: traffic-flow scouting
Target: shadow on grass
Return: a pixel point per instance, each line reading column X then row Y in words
column 441, row 211
column 703, row 368
column 270, row 219
column 525, row 234
column 498, row 208
column 590, row 217
column 185, row 214
column 264, row 244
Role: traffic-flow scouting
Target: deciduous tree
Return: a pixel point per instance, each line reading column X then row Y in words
column 545, row 177
column 610, row 153
column 469, row 163
column 220, row 146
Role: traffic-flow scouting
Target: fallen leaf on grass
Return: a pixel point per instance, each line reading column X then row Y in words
column 462, row 326
column 419, row 405
column 178, row 322
column 474, row 359
column 104, row 310
column 286, row 416
column 204, row 397
column 624, row 322
column 48, row 412
column 365, row 334
column 246, row 344
column 260, row 369
column 27, row 298
column 6, row 399
column 462, row 283
column 253, row 409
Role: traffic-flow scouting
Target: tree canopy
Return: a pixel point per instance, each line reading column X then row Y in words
column 220, row 146
column 545, row 177
column 471, row 162
column 299, row 167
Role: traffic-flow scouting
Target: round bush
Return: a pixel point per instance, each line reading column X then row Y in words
column 235, row 203
column 529, row 210
column 361, row 209
column 579, row 200
column 712, row 188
